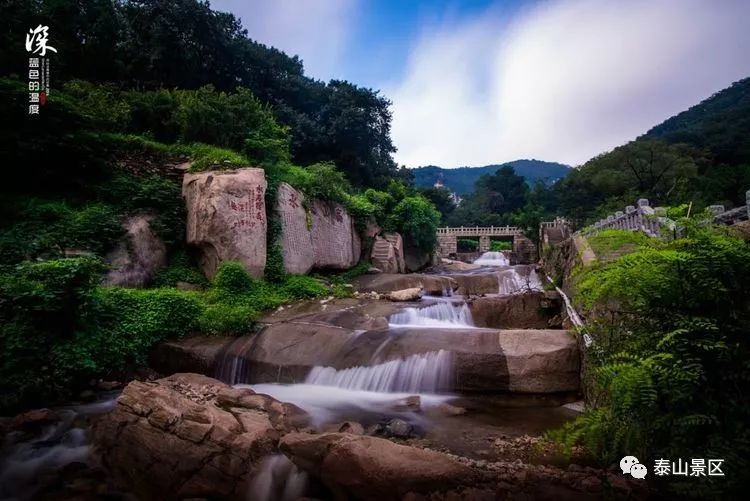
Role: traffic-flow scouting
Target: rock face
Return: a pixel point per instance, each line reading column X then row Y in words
column 519, row 311
column 226, row 218
column 189, row 436
column 415, row 259
column 192, row 354
column 138, row 255
column 484, row 360
column 388, row 253
column 296, row 238
column 373, row 468
column 335, row 242
column 385, row 283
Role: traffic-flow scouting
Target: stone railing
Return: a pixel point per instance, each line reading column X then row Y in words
column 478, row 231
column 731, row 216
column 641, row 217
column 653, row 220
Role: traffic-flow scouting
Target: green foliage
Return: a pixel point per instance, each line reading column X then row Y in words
column 467, row 245
column 417, row 219
column 441, row 199
column 304, row 287
column 607, row 242
column 671, row 349
column 180, row 268
column 501, row 245
column 232, row 278
column 224, row 318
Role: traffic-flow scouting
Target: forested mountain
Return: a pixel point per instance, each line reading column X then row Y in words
column 166, row 44
column 701, row 155
column 461, row 180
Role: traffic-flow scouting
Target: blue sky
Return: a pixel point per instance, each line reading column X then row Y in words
column 486, row 81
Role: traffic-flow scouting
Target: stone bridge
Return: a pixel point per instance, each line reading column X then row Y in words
column 523, row 248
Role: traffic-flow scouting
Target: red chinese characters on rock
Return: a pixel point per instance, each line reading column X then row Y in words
column 294, row 200
column 247, row 212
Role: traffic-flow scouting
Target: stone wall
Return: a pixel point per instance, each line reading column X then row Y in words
column 226, row 218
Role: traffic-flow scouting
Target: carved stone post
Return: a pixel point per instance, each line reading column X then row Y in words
column 484, row 243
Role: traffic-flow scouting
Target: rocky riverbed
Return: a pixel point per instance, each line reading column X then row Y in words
column 442, row 396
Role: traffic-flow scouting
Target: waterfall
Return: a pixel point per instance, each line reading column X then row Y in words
column 492, row 259
column 440, row 314
column 511, row 282
column 277, row 479
column 425, row 372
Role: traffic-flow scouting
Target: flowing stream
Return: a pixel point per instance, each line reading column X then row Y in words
column 436, row 314
column 492, row 259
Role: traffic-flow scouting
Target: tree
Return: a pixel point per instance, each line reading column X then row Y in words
column 441, row 199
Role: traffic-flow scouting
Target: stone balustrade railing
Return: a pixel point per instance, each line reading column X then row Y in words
column 654, row 222
column 641, row 217
column 478, row 231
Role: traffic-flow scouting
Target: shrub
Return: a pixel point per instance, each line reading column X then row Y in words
column 467, row 245
column 304, row 287
column 180, row 269
column 223, row 318
column 232, row 278
column 417, row 219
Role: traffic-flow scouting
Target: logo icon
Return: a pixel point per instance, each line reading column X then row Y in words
column 631, row 465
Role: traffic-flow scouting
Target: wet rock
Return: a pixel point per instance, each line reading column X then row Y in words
column 398, row 428
column 192, row 354
column 385, row 283
column 226, row 218
column 33, row 421
column 373, row 468
column 351, row 427
column 412, row 403
column 451, row 410
column 412, row 294
column 189, row 436
column 518, row 311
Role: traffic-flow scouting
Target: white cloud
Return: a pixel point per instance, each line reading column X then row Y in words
column 564, row 80
column 316, row 30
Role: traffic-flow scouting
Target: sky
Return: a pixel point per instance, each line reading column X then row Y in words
column 479, row 82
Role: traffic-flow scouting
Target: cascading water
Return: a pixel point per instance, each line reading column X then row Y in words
column 439, row 314
column 426, row 372
column 278, row 479
column 511, row 282
column 492, row 259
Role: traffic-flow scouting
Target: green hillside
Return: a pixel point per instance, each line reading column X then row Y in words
column 701, row 155
column 461, row 180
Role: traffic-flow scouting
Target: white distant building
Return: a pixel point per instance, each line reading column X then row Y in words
column 454, row 196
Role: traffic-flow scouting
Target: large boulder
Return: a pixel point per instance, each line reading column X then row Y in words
column 335, row 242
column 416, row 259
column 383, row 256
column 373, row 468
column 296, row 237
column 137, row 256
column 226, row 218
column 190, row 436
column 195, row 353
